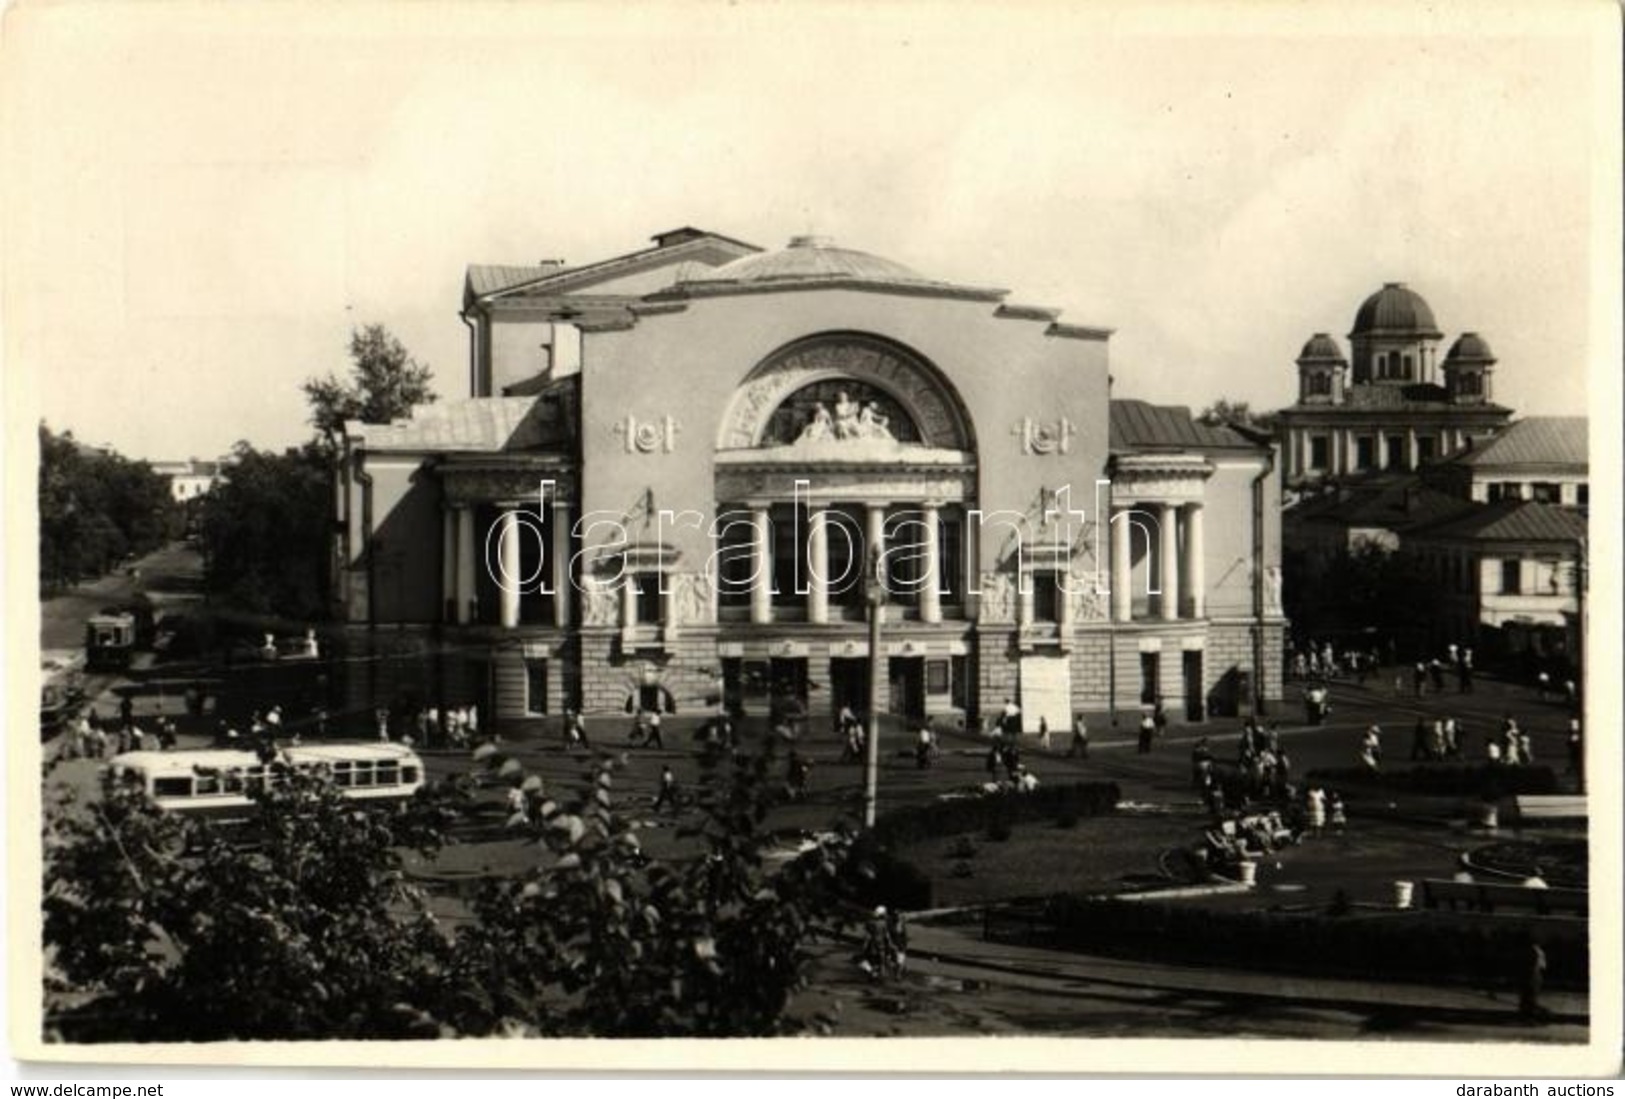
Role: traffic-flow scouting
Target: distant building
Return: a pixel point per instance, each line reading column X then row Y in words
column 727, row 435
column 1543, row 459
column 1511, row 573
column 1391, row 405
column 188, row 480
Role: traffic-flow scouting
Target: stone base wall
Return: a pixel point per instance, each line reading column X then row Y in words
column 687, row 666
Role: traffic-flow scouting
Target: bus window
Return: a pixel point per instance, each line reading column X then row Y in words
column 388, row 772
column 256, row 780
column 172, row 787
column 234, row 781
column 363, row 773
column 341, row 773
column 208, row 782
column 409, row 776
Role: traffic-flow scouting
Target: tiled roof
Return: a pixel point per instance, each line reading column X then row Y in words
column 1137, row 425
column 1391, row 504
column 483, row 424
column 1535, row 440
column 1511, row 521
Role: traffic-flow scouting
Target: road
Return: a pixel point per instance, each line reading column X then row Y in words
column 171, row 574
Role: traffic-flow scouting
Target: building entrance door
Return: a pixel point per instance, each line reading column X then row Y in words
column 907, row 675
column 849, row 684
column 788, row 676
column 1193, row 687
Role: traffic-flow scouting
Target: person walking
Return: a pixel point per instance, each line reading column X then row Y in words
column 668, row 789
column 1148, row 732
column 1336, row 813
column 1159, row 718
column 1079, row 748
column 1315, row 802
column 1043, row 732
column 1533, row 980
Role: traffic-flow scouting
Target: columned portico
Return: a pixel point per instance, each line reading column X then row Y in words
column 1165, row 492
column 1194, row 581
column 1121, row 564
column 1168, row 545
column 508, row 578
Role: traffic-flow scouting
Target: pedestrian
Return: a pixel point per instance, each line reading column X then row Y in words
column 575, row 730
column 897, row 934
column 1159, row 718
column 995, row 751
column 1010, row 719
column 1315, row 802
column 797, row 774
column 1012, row 760
column 1534, row 978
column 1026, row 782
column 1436, row 674
column 1543, row 684
column 1452, row 739
column 1419, row 678
column 1335, row 811
column 1043, row 732
column 925, row 747
column 380, row 718
column 1436, row 739
column 126, row 711
column 1419, row 740
column 1080, row 737
column 668, row 789
column 1148, row 731
column 1576, row 752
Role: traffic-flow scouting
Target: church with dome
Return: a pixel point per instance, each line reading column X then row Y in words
column 1390, row 404
column 679, row 474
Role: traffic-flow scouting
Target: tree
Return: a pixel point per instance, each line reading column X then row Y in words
column 386, row 383
column 171, row 931
column 264, row 532
column 1225, row 411
column 95, row 507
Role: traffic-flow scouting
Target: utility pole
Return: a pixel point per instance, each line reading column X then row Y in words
column 875, row 600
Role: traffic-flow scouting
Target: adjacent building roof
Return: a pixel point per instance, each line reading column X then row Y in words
column 1470, row 347
column 1533, row 441
column 1140, row 425
column 1387, row 503
column 816, row 261
column 475, row 424
column 553, row 276
column 1395, row 310
column 1420, row 397
column 1510, row 521
column 1321, row 348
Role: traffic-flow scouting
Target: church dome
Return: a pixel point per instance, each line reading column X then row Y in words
column 1395, row 310
column 1321, row 348
column 813, row 259
column 1470, row 347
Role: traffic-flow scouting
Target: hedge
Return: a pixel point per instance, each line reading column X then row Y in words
column 958, row 816
column 1445, row 780
column 1414, row 947
column 874, row 875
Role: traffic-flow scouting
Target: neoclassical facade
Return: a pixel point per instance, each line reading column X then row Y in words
column 679, row 471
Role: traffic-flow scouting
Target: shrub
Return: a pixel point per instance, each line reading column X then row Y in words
column 1447, row 780
column 960, row 816
column 999, row 831
column 874, row 875
column 1417, row 947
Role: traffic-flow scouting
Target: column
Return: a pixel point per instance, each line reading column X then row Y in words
column 1122, row 591
column 464, row 518
column 1410, row 447
column 875, row 539
column 1168, row 549
column 508, row 577
column 761, row 588
column 563, row 587
column 931, row 574
column 448, row 564
column 1351, row 461
column 629, row 597
column 818, row 566
column 1194, row 577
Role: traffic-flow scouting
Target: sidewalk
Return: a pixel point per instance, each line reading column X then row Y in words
column 936, row 944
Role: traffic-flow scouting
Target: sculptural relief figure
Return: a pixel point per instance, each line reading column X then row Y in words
column 872, row 423
column 694, row 598
column 998, row 598
column 846, row 417
column 600, row 606
column 1272, row 587
column 820, row 427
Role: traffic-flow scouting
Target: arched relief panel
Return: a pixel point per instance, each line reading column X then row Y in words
column 933, row 408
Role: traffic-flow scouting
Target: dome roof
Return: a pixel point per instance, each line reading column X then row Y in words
column 813, row 258
column 1321, row 348
column 1470, row 347
column 1395, row 310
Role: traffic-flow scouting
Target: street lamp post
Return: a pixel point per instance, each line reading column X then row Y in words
column 875, row 599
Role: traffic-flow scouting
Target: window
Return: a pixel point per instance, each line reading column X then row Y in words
column 1150, row 689
column 1320, row 452
column 343, row 773
column 363, row 773
column 647, row 604
column 735, row 556
column 951, row 559
column 1582, row 495
column 1409, row 370
column 1046, row 596
column 1426, row 449
column 1511, row 577
column 409, row 776
column 1469, row 385
column 905, row 556
column 208, row 782
column 1505, row 490
column 536, row 686
column 388, row 773
column 1397, row 458
column 1545, row 492
column 788, row 537
column 846, row 555
column 172, row 787
column 1365, row 453
column 1318, row 385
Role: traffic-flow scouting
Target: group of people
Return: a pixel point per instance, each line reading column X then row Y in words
column 92, row 737
column 1430, row 674
column 1323, row 661
column 1153, row 726
column 428, row 726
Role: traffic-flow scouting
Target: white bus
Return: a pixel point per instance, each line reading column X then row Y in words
column 216, row 782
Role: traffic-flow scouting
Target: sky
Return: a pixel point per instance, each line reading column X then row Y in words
column 203, row 200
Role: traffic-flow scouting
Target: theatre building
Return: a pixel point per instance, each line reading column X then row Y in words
column 678, row 473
